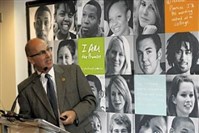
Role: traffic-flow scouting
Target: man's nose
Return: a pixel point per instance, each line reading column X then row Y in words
column 144, row 57
column 86, row 20
column 48, row 53
column 42, row 26
column 183, row 55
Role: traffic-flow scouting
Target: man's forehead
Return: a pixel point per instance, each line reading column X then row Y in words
column 146, row 43
column 186, row 125
column 186, row 45
column 43, row 14
column 36, row 43
column 91, row 8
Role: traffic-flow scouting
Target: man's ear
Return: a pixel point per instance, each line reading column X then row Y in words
column 99, row 21
column 101, row 93
column 128, row 15
column 31, row 60
column 173, row 99
column 159, row 54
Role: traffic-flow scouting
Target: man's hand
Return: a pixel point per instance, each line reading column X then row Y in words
column 68, row 117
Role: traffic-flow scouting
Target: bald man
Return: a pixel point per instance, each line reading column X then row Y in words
column 74, row 98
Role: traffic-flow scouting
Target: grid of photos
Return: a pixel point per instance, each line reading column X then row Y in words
column 140, row 57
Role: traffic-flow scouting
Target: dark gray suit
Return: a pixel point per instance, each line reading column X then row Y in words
column 73, row 92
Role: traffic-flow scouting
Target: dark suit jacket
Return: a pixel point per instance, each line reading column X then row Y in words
column 73, row 92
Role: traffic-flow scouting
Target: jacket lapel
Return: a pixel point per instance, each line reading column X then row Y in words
column 41, row 94
column 60, row 80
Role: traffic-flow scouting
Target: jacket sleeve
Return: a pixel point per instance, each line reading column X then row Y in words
column 23, row 101
column 87, row 102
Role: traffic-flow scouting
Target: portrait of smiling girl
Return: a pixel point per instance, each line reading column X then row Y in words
column 119, row 96
column 182, row 100
column 118, row 56
column 64, row 20
column 119, row 16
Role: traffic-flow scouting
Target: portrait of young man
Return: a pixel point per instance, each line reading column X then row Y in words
column 90, row 20
column 42, row 22
column 149, row 54
column 96, row 87
column 182, row 54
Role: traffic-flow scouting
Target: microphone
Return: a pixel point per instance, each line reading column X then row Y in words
column 11, row 113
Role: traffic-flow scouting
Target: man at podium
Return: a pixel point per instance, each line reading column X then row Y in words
column 59, row 94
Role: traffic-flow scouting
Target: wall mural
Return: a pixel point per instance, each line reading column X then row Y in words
column 139, row 56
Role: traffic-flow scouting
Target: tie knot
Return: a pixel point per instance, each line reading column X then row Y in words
column 47, row 76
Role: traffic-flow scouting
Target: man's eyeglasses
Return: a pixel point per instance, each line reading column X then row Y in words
column 42, row 52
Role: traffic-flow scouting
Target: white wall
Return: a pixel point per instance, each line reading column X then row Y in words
column 20, row 40
column 7, row 55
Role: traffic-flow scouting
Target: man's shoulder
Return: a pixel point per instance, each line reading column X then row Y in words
column 72, row 35
column 71, row 67
column 27, row 81
column 66, row 66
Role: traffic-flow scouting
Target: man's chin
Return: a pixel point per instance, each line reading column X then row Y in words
column 147, row 71
column 85, row 34
column 49, row 64
column 43, row 37
column 65, row 31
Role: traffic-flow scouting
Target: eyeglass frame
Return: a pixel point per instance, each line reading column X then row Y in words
column 42, row 52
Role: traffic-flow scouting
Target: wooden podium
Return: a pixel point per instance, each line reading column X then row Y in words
column 29, row 126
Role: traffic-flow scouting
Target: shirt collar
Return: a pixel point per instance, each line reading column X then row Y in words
column 50, row 72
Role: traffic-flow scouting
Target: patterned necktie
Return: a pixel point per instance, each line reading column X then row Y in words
column 51, row 95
